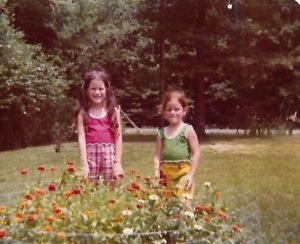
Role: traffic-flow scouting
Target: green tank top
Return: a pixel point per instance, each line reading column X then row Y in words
column 175, row 149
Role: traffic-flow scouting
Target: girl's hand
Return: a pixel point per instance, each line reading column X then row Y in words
column 118, row 171
column 189, row 183
column 85, row 170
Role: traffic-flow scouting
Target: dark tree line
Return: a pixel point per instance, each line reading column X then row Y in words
column 239, row 66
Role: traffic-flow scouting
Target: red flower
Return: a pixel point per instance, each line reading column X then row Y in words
column 112, row 201
column 177, row 216
column 222, row 216
column 163, row 182
column 31, row 218
column 71, row 169
column 24, row 172
column 139, row 205
column 138, row 177
column 42, row 168
column 28, row 197
column 235, row 228
column 3, row 233
column 135, row 186
column 52, row 187
column 76, row 191
column 56, row 210
column 198, row 209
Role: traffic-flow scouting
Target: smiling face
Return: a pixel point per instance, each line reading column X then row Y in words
column 96, row 92
column 174, row 112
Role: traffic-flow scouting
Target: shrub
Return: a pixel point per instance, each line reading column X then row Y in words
column 74, row 209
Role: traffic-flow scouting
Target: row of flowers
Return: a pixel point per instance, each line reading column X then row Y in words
column 74, row 209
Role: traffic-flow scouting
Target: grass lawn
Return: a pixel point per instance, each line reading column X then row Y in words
column 243, row 169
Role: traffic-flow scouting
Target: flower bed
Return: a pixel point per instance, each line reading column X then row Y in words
column 73, row 209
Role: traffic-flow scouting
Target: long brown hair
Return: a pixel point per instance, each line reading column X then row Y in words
column 98, row 73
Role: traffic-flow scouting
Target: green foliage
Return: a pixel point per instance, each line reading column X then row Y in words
column 72, row 208
column 32, row 90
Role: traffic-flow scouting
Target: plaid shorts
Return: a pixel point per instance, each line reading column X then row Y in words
column 100, row 158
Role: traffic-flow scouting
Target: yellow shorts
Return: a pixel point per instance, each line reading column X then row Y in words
column 176, row 175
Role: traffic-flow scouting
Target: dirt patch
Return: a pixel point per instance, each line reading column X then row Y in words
column 234, row 148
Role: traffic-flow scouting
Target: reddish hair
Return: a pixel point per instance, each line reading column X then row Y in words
column 170, row 95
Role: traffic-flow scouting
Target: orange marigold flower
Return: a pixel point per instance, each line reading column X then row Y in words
column 61, row 215
column 61, row 235
column 42, row 168
column 3, row 233
column 39, row 192
column 67, row 193
column 117, row 219
column 71, row 163
column 51, row 219
column 22, row 205
column 31, row 218
column 38, row 211
column 207, row 218
column 20, row 214
column 48, row 228
column 24, row 172
column 207, row 209
column 235, row 228
column 52, row 187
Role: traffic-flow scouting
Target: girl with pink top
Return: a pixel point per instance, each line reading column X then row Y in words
column 99, row 129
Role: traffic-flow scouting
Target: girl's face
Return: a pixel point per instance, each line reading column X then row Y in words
column 174, row 112
column 96, row 92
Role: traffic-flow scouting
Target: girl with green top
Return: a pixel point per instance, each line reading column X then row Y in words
column 177, row 152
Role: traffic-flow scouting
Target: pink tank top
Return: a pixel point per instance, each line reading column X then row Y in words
column 97, row 130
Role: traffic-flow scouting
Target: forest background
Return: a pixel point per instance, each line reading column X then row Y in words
column 238, row 61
